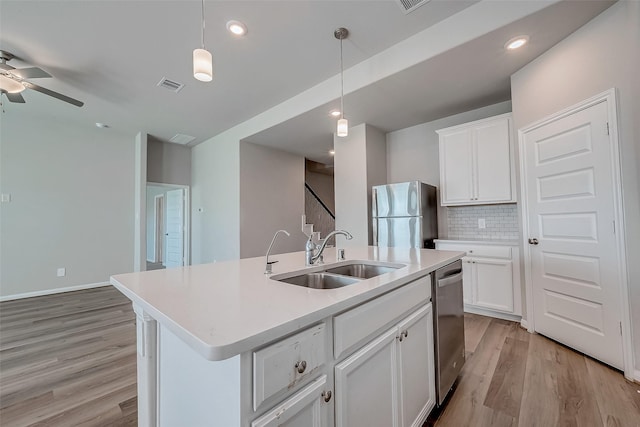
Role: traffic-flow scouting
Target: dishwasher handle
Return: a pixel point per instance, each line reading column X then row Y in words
column 449, row 280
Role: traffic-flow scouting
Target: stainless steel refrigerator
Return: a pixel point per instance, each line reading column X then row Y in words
column 404, row 215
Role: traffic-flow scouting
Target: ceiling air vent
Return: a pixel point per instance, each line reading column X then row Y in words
column 170, row 84
column 409, row 6
column 182, row 139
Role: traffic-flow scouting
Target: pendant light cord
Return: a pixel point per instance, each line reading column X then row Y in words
column 341, row 83
column 202, row 24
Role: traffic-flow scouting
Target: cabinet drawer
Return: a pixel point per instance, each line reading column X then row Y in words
column 502, row 252
column 356, row 326
column 477, row 250
column 287, row 363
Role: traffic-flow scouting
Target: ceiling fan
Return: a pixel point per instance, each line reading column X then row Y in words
column 14, row 80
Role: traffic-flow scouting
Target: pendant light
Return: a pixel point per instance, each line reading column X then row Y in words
column 202, row 59
column 343, row 124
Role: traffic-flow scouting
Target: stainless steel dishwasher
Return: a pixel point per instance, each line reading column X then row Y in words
column 448, row 325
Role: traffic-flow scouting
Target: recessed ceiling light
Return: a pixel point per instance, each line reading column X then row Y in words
column 516, row 42
column 102, row 125
column 237, row 28
column 332, row 152
column 335, row 113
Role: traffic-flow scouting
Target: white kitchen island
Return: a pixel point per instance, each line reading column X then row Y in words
column 225, row 345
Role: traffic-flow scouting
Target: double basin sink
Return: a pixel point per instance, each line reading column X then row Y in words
column 337, row 275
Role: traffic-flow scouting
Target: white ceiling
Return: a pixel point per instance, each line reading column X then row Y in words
column 112, row 53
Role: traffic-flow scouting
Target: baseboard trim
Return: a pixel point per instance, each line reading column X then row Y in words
column 636, row 376
column 53, row 291
column 524, row 324
column 491, row 313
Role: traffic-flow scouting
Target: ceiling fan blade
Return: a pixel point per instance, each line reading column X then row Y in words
column 56, row 95
column 30, row 73
column 15, row 97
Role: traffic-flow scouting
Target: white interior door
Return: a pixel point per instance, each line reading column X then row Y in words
column 175, row 229
column 574, row 264
column 159, row 229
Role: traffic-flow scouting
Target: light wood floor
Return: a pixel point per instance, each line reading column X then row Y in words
column 69, row 360
column 513, row 378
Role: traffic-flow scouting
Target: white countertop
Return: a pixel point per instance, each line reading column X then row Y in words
column 226, row 308
column 482, row 242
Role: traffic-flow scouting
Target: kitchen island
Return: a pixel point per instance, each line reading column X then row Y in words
column 224, row 344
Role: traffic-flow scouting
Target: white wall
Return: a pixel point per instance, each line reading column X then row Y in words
column 359, row 163
column 71, row 203
column 376, row 168
column 168, row 163
column 271, row 199
column 412, row 153
column 600, row 55
column 215, row 202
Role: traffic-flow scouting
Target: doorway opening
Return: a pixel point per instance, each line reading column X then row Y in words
column 167, row 224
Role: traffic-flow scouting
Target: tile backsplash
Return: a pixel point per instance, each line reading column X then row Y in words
column 501, row 222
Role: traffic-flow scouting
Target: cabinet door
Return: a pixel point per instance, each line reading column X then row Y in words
column 416, row 367
column 467, row 280
column 493, row 284
column 492, row 152
column 456, row 180
column 306, row 408
column 366, row 385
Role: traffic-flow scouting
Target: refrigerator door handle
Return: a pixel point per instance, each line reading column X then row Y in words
column 374, row 203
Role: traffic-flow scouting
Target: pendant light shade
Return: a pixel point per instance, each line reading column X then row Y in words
column 343, row 127
column 202, row 59
column 343, row 124
column 202, row 65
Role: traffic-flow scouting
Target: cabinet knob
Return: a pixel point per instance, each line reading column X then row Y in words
column 533, row 241
column 301, row 366
column 406, row 334
column 400, row 337
column 326, row 395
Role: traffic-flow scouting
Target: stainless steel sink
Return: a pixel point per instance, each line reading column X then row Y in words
column 320, row 280
column 363, row 271
column 337, row 275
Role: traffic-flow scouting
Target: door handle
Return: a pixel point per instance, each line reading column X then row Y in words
column 533, row 241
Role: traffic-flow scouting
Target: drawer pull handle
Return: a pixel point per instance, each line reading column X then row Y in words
column 326, row 395
column 301, row 366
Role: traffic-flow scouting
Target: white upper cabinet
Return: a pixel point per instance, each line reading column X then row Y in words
column 476, row 162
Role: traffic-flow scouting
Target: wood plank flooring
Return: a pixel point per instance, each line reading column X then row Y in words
column 513, row 378
column 70, row 360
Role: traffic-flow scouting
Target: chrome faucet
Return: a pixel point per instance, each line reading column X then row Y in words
column 310, row 256
column 267, row 269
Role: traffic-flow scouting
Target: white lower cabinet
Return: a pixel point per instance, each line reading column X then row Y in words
column 490, row 278
column 389, row 382
column 416, row 368
column 370, row 365
column 493, row 284
column 307, row 408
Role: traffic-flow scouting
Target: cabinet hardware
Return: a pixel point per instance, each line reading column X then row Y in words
column 301, row 366
column 327, row 395
column 406, row 334
column 533, row 241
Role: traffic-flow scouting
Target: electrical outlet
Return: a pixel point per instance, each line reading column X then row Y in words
column 482, row 223
column 62, row 272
